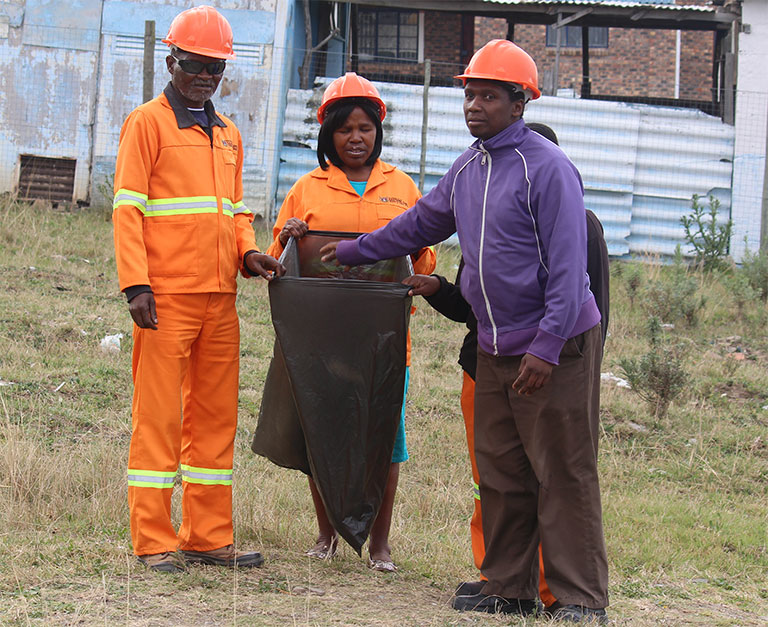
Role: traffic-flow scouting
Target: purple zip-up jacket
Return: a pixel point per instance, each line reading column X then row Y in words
column 517, row 204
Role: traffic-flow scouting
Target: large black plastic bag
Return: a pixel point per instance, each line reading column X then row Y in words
column 334, row 391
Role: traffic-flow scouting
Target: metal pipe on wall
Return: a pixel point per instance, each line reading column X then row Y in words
column 424, row 123
column 677, row 64
column 148, row 79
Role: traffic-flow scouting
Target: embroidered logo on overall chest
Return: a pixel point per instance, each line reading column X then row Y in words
column 394, row 201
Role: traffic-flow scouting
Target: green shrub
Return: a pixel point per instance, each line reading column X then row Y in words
column 743, row 292
column 659, row 376
column 709, row 239
column 674, row 296
column 754, row 267
column 633, row 279
column 106, row 191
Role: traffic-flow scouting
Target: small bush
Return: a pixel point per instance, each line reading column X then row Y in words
column 659, row 376
column 754, row 267
column 633, row 279
column 742, row 291
column 708, row 238
column 106, row 191
column 674, row 297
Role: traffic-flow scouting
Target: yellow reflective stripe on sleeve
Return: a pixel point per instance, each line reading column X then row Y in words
column 476, row 490
column 206, row 476
column 190, row 205
column 129, row 197
column 150, row 478
column 232, row 210
column 240, row 207
column 181, row 206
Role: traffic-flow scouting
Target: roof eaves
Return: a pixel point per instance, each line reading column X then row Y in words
column 627, row 4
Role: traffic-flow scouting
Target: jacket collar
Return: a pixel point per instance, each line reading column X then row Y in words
column 338, row 180
column 184, row 119
column 510, row 137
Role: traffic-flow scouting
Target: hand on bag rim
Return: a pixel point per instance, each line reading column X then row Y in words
column 422, row 284
column 264, row 266
column 328, row 252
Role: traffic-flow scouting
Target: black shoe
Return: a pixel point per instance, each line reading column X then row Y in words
column 577, row 614
column 469, row 587
column 494, row 604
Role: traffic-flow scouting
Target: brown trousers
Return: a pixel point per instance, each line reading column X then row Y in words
column 537, row 461
column 476, row 524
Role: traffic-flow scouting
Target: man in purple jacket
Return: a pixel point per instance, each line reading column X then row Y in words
column 516, row 202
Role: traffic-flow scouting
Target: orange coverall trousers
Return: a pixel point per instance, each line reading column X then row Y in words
column 476, row 523
column 185, row 377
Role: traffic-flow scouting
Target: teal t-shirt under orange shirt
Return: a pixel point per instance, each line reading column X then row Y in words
column 359, row 186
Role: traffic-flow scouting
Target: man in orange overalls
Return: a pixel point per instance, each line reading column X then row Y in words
column 182, row 232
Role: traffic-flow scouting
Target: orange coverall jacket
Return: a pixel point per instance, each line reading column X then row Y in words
column 180, row 223
column 326, row 201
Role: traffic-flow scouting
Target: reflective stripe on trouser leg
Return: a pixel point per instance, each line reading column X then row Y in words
column 208, row 431
column 149, row 500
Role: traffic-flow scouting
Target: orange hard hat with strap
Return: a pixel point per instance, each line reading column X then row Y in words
column 501, row 60
column 201, row 30
column 350, row 86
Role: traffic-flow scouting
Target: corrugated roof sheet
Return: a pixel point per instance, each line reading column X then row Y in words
column 640, row 164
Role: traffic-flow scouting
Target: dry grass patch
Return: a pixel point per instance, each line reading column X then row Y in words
column 684, row 497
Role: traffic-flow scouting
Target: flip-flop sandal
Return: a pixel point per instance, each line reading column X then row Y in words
column 382, row 566
column 324, row 552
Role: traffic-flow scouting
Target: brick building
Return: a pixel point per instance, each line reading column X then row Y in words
column 623, row 62
column 390, row 42
column 445, row 38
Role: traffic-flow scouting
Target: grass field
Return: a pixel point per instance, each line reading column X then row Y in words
column 685, row 495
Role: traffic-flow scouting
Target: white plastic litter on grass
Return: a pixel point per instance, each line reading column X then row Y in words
column 612, row 378
column 111, row 343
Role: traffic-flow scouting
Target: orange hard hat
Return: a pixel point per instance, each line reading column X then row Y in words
column 201, row 30
column 501, row 60
column 350, row 86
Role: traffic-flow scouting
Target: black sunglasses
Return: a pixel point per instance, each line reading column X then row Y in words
column 195, row 67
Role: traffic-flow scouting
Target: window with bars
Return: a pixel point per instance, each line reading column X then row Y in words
column 390, row 34
column 570, row 37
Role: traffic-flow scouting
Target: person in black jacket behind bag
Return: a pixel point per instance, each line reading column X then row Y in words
column 446, row 298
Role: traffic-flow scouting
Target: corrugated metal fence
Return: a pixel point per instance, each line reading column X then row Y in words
column 640, row 164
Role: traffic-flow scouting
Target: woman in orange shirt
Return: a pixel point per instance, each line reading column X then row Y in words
column 355, row 192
